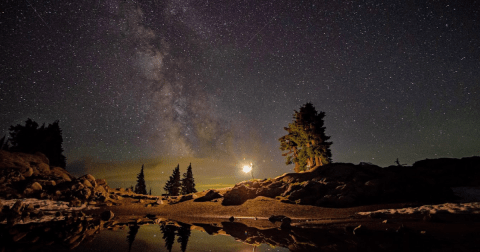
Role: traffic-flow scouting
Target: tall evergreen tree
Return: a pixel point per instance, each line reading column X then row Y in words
column 52, row 147
column 141, row 188
column 188, row 184
column 172, row 187
column 306, row 142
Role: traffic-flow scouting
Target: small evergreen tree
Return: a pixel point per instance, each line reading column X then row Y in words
column 188, row 184
column 141, row 188
column 306, row 141
column 172, row 187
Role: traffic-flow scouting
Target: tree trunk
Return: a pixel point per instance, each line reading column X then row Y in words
column 297, row 167
column 310, row 163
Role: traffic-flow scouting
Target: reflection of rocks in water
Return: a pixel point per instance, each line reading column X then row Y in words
column 170, row 229
column 74, row 229
column 132, row 233
column 254, row 236
column 330, row 238
column 70, row 233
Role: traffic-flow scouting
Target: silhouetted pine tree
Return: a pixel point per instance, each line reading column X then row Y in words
column 141, row 188
column 4, row 143
column 30, row 139
column 150, row 193
column 188, row 184
column 183, row 235
column 53, row 145
column 172, row 187
column 168, row 232
column 132, row 233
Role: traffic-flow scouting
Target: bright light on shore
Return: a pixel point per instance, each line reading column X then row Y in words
column 247, row 168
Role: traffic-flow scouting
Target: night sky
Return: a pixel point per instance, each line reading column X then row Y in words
column 214, row 82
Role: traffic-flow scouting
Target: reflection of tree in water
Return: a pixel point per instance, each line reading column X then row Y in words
column 132, row 233
column 183, row 235
column 169, row 232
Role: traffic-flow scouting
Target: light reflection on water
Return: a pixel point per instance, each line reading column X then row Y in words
column 151, row 238
column 89, row 236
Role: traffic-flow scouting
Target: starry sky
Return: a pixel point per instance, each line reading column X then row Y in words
column 213, row 82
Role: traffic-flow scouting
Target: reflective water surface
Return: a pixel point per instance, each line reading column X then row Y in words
column 88, row 234
column 96, row 235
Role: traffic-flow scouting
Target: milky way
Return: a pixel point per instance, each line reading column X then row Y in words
column 218, row 80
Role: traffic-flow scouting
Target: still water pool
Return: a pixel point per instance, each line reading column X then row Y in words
column 83, row 234
column 93, row 236
column 160, row 238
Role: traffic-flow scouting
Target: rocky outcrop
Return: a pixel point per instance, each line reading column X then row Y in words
column 209, row 196
column 26, row 175
column 343, row 185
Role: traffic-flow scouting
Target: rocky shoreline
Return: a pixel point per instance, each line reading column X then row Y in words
column 438, row 197
column 334, row 185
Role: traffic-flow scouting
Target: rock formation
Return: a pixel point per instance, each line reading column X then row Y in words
column 30, row 176
column 343, row 185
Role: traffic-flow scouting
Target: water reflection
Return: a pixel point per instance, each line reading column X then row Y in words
column 170, row 230
column 132, row 233
column 183, row 235
column 73, row 234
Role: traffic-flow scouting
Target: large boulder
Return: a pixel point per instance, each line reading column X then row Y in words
column 88, row 180
column 36, row 186
column 61, row 175
column 209, row 196
column 238, row 195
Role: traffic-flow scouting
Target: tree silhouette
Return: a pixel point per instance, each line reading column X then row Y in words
column 30, row 139
column 141, row 188
column 306, row 141
column 172, row 187
column 168, row 232
column 188, row 184
column 132, row 233
column 183, row 235
column 4, row 143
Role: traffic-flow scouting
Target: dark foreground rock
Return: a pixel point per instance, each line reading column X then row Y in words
column 209, row 196
column 30, row 176
column 344, row 185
